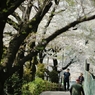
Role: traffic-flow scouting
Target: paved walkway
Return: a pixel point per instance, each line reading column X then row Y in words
column 55, row 93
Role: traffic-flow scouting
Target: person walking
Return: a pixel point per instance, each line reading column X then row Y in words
column 81, row 78
column 66, row 79
column 77, row 89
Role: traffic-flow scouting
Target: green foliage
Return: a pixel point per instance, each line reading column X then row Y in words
column 40, row 70
column 38, row 86
column 23, row 32
column 5, row 10
column 30, row 26
column 30, row 69
column 54, row 76
column 27, row 72
column 34, row 19
column 70, row 2
column 13, row 85
column 27, row 75
column 93, row 2
column 40, row 48
column 33, row 88
column 7, row 2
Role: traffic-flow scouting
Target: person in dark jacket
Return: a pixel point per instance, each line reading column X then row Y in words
column 77, row 89
column 81, row 78
column 66, row 79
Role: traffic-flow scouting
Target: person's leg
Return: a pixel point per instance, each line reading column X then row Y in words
column 68, row 84
column 64, row 85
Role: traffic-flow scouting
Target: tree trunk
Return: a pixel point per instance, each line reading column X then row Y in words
column 41, row 57
column 2, row 25
column 55, row 62
column 33, row 71
column 2, row 81
column 1, row 88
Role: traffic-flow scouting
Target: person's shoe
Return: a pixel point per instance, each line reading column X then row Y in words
column 67, row 89
column 64, row 90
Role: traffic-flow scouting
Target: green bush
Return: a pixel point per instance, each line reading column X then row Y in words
column 37, row 86
column 40, row 70
column 54, row 76
column 13, row 85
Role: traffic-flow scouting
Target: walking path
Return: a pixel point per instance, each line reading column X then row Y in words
column 55, row 93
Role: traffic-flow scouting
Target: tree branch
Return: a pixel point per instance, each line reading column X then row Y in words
column 72, row 24
column 18, row 39
column 10, row 7
column 22, row 8
column 13, row 23
column 17, row 17
column 72, row 61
